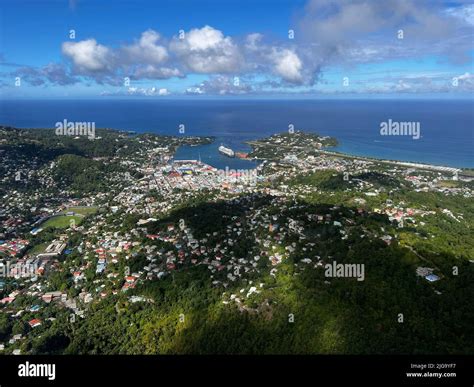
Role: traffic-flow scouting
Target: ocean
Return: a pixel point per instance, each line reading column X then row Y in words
column 446, row 126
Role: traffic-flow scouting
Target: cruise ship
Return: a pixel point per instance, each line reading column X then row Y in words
column 226, row 151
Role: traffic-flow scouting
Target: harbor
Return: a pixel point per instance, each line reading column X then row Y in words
column 209, row 154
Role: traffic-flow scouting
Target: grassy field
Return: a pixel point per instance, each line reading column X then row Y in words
column 62, row 221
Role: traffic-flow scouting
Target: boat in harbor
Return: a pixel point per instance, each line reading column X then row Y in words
column 226, row 151
column 241, row 155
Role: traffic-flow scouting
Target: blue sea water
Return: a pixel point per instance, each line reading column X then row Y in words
column 447, row 126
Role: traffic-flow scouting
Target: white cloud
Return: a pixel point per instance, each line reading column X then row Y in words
column 287, row 65
column 252, row 41
column 465, row 82
column 88, row 55
column 402, row 86
column 163, row 92
column 205, row 38
column 465, row 13
column 221, row 85
column 145, row 59
column 154, row 72
column 152, row 91
column 146, row 50
column 207, row 50
column 194, row 90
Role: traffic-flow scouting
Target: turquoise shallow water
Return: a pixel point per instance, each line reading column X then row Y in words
column 447, row 127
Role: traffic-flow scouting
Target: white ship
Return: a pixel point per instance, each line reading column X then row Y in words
column 226, row 151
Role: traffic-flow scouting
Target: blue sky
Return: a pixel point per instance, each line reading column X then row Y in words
column 260, row 48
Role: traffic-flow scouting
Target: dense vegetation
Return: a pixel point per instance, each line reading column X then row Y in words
column 185, row 313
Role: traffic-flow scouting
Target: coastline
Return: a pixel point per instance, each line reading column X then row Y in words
column 211, row 139
column 233, row 121
column 411, row 164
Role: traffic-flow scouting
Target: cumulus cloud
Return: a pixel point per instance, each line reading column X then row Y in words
column 88, row 55
column 146, row 50
column 281, row 59
column 287, row 65
column 146, row 58
column 207, row 50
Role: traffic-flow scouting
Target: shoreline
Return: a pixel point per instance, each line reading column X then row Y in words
column 412, row 164
column 462, row 171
